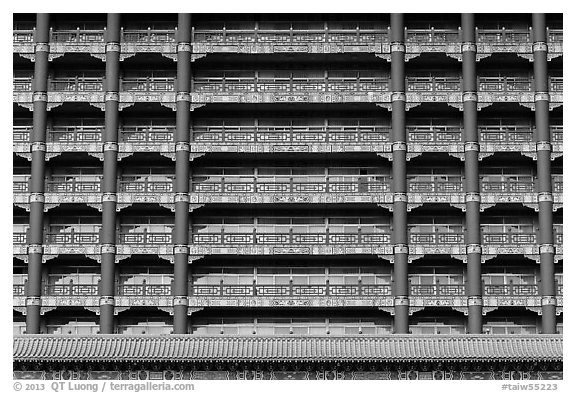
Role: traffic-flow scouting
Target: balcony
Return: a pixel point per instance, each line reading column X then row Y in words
column 332, row 87
column 286, row 295
column 290, row 38
column 512, row 138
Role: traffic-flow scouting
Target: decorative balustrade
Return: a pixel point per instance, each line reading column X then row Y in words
column 139, row 185
column 437, row 289
column 213, row 238
column 360, row 185
column 18, row 289
column 432, row 36
column 307, row 290
column 139, row 238
column 506, row 134
column 22, row 84
column 557, row 133
column 23, row 37
column 557, row 183
column 436, row 237
column 19, row 237
column 434, row 135
column 432, row 84
column 508, row 186
column 77, row 36
column 556, row 84
column 71, row 186
column 20, row 187
column 290, row 134
column 505, row 84
column 510, row 289
column 555, row 36
column 71, row 289
column 519, row 238
column 72, row 237
column 147, row 134
column 21, row 134
column 144, row 289
column 504, row 36
column 147, row 84
column 76, row 84
column 439, row 186
column 75, row 134
column 560, row 290
column 290, row 36
column 148, row 36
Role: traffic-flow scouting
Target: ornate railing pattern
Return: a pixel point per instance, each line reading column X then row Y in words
column 432, row 36
column 436, row 238
column 19, row 187
column 78, row 36
column 75, row 134
column 18, row 289
column 148, row 84
column 510, row 238
column 432, row 84
column 436, row 134
column 147, row 134
column 504, row 36
column 289, row 238
column 76, row 84
column 441, row 186
column 23, row 36
column 327, row 289
column 144, row 289
column 72, row 237
column 71, row 289
column 72, row 186
column 289, row 36
column 511, row 290
column 19, row 238
column 290, row 186
column 138, row 238
column 148, row 36
column 136, row 185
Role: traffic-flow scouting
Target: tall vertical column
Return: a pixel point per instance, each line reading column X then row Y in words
column 182, row 182
column 545, row 198
column 472, row 186
column 38, row 147
column 110, row 148
column 399, row 221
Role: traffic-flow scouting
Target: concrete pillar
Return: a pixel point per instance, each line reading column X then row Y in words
column 545, row 198
column 110, row 148
column 399, row 219
column 182, row 181
column 471, row 186
column 38, row 147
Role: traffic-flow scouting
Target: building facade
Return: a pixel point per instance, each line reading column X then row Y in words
column 277, row 196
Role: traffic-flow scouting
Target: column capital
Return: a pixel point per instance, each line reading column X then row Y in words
column 475, row 301
column 468, row 47
column 40, row 96
column 473, row 249
column 539, row 47
column 541, row 96
column 181, row 197
column 548, row 301
column 108, row 249
column 180, row 301
column 111, row 96
column 35, row 249
column 38, row 146
column 33, row 301
column 546, row 249
column 36, row 197
column 107, row 301
column 397, row 47
column 401, row 301
column 400, row 249
column 110, row 146
column 109, row 197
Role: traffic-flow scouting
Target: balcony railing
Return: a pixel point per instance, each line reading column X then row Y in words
column 139, row 238
column 506, row 134
column 19, row 237
column 508, row 239
column 144, row 289
column 557, row 183
column 290, row 134
column 76, row 84
column 433, row 84
column 510, row 290
column 23, row 36
column 18, row 289
column 434, row 134
column 507, row 186
column 72, row 237
column 214, row 238
column 290, row 36
column 327, row 289
column 425, row 237
column 21, row 134
column 147, row 134
column 437, row 289
column 148, row 36
column 78, row 36
column 20, row 187
column 555, row 36
column 75, row 134
column 71, row 289
column 22, row 84
column 291, row 186
column 504, row 84
column 503, row 36
column 440, row 186
column 432, row 36
column 139, row 185
column 147, row 84
column 72, row 186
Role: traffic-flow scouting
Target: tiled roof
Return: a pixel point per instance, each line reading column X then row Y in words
column 275, row 348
